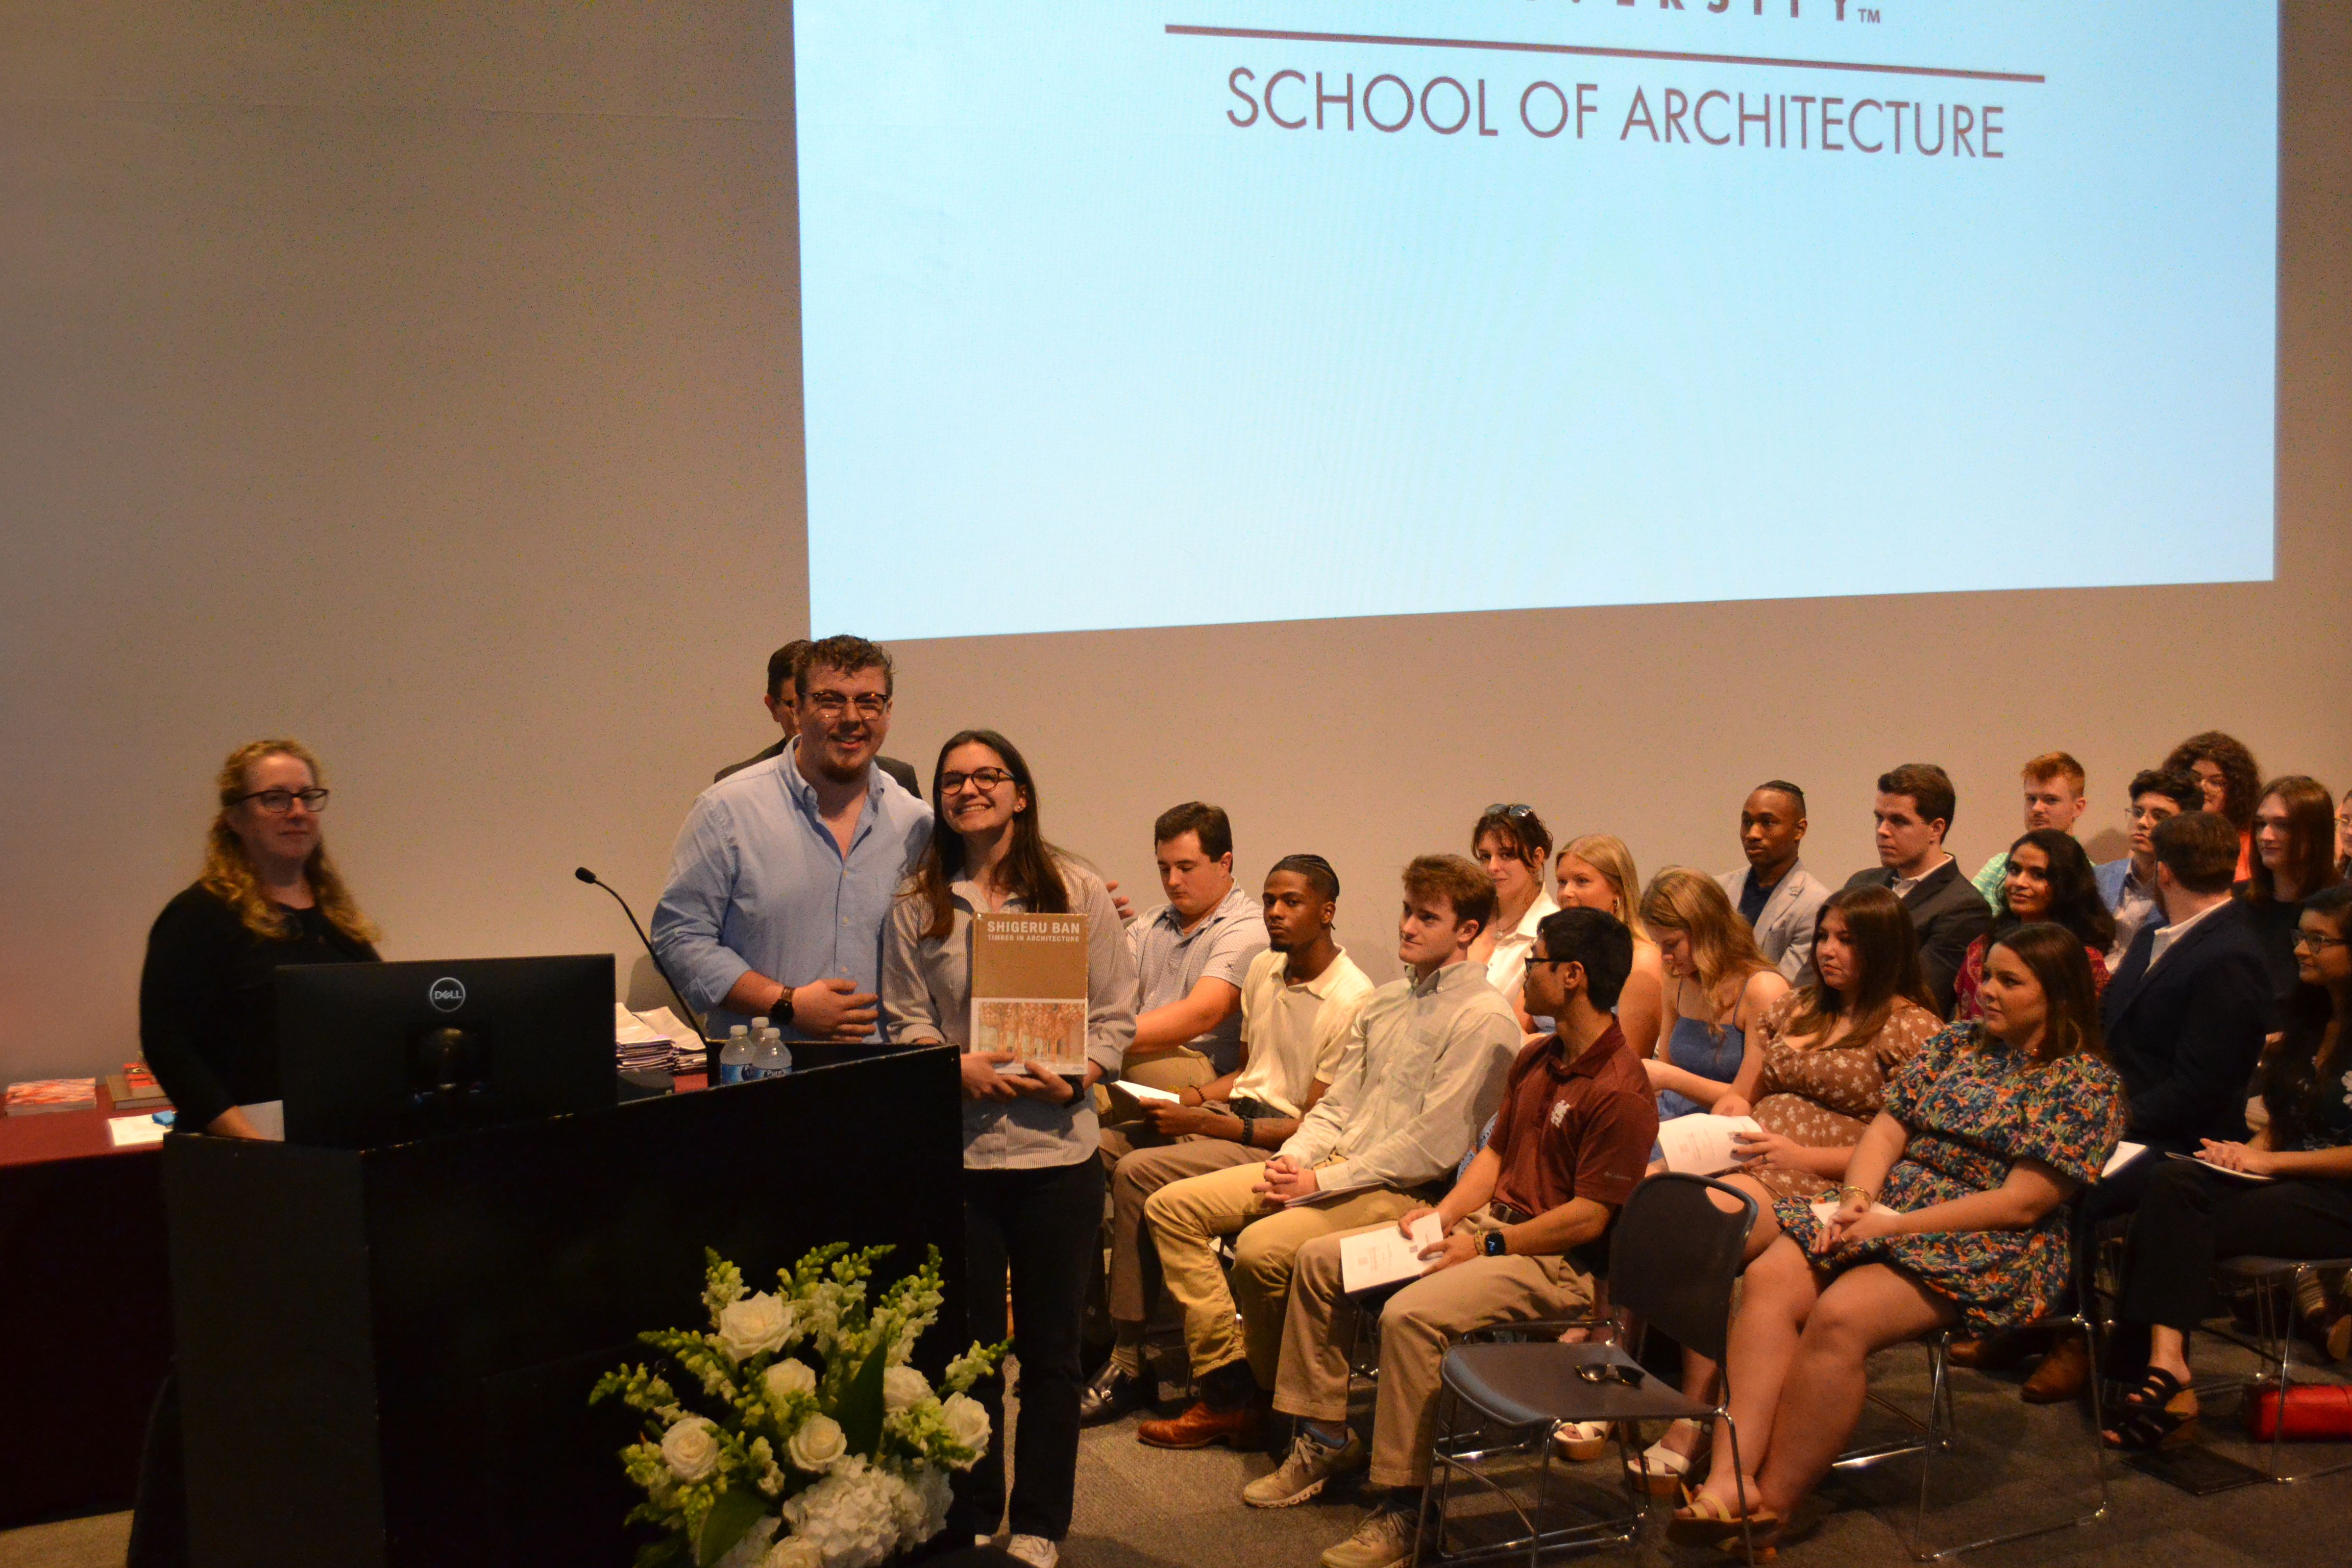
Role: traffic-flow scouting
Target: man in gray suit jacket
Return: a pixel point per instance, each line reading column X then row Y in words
column 1776, row 894
column 1914, row 812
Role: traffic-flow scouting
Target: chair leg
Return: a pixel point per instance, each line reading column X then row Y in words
column 1438, row 1474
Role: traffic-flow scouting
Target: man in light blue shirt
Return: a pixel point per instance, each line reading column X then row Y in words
column 782, row 880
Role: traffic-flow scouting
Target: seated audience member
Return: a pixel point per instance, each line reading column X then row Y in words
column 1952, row 1210
column 783, row 700
column 1421, row 1070
column 2191, row 1217
column 1300, row 999
column 1519, row 1231
column 1914, row 812
column 2295, row 857
column 1596, row 872
column 1718, row 987
column 1031, row 1185
column 2046, row 877
column 2184, row 1018
column 2227, row 772
column 1776, row 895
column 2344, row 838
column 2053, row 799
column 2128, row 886
column 1191, row 952
column 1815, row 1080
column 1514, row 845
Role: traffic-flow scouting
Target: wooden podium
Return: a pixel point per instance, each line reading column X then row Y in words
column 386, row 1355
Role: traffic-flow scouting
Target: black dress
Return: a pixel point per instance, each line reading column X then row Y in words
column 2273, row 923
column 206, row 1004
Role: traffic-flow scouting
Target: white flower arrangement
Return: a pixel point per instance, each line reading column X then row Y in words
column 840, row 1464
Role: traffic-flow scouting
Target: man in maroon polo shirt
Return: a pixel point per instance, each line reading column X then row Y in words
column 1573, row 1137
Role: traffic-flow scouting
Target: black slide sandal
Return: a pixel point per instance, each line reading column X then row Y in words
column 2146, row 1421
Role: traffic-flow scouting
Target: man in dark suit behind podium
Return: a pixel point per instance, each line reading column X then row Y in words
column 2185, row 1017
column 1914, row 810
column 782, row 665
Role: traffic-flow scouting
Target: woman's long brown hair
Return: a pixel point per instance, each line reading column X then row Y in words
column 1029, row 869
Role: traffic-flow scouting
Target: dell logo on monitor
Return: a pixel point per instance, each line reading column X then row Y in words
column 446, row 994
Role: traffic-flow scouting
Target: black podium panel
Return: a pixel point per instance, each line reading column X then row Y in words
column 386, row 1355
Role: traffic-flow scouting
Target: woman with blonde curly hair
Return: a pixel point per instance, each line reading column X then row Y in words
column 268, row 896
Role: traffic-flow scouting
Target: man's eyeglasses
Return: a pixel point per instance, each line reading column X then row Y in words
column 2315, row 941
column 833, row 704
column 988, row 779
column 278, row 802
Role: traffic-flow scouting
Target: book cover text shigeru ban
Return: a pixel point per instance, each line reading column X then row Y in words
column 1196, row 311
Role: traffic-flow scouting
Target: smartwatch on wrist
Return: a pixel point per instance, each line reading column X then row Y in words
column 1493, row 1245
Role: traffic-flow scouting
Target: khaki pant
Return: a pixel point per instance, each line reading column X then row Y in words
column 1418, row 1324
column 1187, row 1218
column 1134, row 1262
column 1122, row 1126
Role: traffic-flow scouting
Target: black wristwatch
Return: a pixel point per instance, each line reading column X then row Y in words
column 1494, row 1245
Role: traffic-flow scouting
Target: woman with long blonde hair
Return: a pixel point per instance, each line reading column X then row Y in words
column 268, row 896
column 1718, row 986
column 1596, row 872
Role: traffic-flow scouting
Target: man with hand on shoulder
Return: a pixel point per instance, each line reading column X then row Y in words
column 1776, row 895
column 1191, row 952
column 1300, row 999
column 2128, row 886
column 783, row 706
column 1421, row 1072
column 782, row 879
column 2053, row 798
column 1914, row 812
column 1521, row 1228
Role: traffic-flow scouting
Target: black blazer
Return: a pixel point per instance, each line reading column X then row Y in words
column 1947, row 912
column 2186, row 1037
column 898, row 770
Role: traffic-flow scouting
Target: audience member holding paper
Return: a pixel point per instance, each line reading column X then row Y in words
column 1814, row 1084
column 1298, row 1001
column 1418, row 1076
column 1985, row 1135
column 1033, row 1187
column 1518, row 1243
column 1719, row 984
column 2194, row 1213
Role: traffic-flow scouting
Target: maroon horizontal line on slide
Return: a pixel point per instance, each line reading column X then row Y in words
column 1281, row 36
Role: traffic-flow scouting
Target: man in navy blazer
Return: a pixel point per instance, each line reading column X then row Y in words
column 2185, row 1017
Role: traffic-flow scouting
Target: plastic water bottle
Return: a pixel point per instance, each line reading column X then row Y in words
column 770, row 1059
column 735, row 1057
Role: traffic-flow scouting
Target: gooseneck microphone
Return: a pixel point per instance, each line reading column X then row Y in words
column 693, row 1023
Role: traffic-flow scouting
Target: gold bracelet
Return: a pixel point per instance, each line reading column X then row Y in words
column 1867, row 1195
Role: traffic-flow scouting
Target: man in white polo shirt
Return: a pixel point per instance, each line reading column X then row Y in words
column 1298, row 1000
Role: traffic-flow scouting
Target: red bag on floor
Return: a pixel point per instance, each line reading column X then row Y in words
column 2315, row 1411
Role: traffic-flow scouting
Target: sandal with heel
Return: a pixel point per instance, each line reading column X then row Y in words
column 1705, row 1520
column 2161, row 1413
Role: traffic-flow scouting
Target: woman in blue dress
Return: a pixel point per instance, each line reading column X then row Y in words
column 1719, row 985
column 1953, row 1211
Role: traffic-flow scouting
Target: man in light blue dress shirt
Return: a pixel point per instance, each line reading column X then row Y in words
column 782, row 880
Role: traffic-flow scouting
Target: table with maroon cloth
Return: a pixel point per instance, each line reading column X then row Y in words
column 85, row 1311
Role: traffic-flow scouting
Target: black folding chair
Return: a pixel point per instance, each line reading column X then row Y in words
column 1671, row 1262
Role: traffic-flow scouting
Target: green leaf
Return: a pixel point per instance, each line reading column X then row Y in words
column 861, row 1405
column 730, row 1519
column 660, row 1554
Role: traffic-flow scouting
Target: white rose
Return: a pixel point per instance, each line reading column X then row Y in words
column 690, row 1450
column 903, row 1388
column 966, row 1420
column 753, row 1326
column 818, row 1446
column 789, row 1377
column 793, row 1551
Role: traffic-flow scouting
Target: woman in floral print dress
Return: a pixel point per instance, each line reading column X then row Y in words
column 1952, row 1210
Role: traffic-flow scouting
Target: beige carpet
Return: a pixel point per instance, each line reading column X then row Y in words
column 95, row 1542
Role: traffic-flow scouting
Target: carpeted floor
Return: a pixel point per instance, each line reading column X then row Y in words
column 1142, row 1507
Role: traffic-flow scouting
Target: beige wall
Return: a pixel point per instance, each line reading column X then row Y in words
column 422, row 380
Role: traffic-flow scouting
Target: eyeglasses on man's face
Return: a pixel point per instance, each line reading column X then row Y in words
column 833, row 704
column 989, row 780
column 278, row 802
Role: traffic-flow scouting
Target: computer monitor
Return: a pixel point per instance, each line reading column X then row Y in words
column 371, row 1054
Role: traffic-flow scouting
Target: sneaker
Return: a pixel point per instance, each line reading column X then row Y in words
column 1303, row 1471
column 1382, row 1541
column 1110, row 1395
column 1034, row 1550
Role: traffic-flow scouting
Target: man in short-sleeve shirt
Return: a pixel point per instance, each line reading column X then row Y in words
column 1192, row 952
column 1571, row 1141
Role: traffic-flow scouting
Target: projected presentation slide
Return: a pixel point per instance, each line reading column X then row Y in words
column 1196, row 312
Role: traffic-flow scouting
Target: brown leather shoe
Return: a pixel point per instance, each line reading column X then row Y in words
column 1243, row 1427
column 1994, row 1352
column 2062, row 1372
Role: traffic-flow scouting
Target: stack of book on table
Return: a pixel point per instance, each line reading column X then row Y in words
column 135, row 1089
